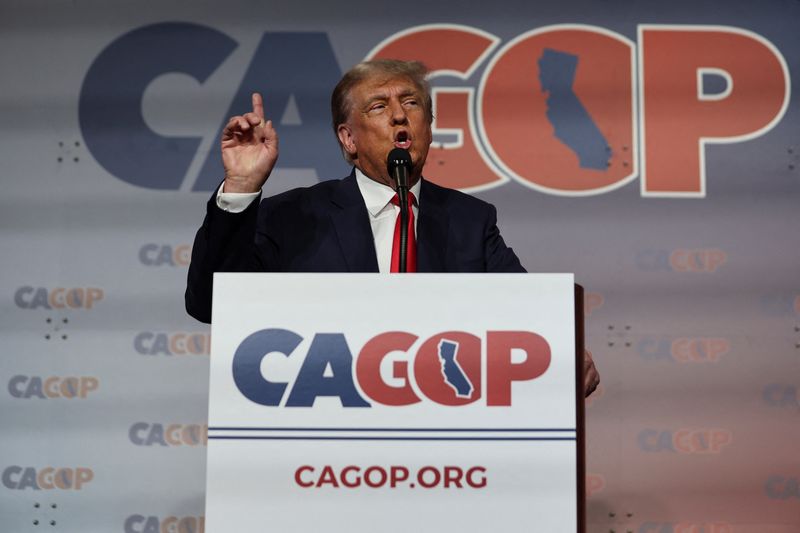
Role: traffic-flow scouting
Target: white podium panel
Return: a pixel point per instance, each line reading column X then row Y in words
column 362, row 403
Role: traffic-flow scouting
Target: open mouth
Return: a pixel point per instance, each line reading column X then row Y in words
column 402, row 140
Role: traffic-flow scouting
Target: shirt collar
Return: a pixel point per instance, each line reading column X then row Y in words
column 377, row 195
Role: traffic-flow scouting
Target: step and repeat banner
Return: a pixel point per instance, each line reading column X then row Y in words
column 651, row 148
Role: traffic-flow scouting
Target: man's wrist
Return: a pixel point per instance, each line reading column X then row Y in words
column 234, row 201
column 238, row 186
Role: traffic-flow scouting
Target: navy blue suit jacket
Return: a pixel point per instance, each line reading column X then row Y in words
column 326, row 228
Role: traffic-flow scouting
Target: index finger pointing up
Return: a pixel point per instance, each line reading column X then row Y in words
column 258, row 105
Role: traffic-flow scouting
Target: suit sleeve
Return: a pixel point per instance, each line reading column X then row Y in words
column 224, row 243
column 499, row 257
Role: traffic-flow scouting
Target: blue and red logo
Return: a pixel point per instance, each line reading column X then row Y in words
column 566, row 109
column 394, row 368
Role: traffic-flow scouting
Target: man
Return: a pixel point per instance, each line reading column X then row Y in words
column 346, row 225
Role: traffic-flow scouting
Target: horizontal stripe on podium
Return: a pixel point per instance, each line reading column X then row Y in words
column 418, row 434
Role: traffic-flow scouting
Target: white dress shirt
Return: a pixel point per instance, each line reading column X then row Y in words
column 377, row 199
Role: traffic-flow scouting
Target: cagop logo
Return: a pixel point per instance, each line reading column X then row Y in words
column 46, row 478
column 685, row 440
column 29, row 297
column 446, row 368
column 168, row 435
column 156, row 255
column 701, row 260
column 684, row 349
column 52, row 387
column 137, row 523
column 783, row 487
column 590, row 99
column 686, row 527
column 172, row 343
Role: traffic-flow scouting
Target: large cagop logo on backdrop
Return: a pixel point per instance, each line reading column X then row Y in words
column 567, row 109
column 446, row 368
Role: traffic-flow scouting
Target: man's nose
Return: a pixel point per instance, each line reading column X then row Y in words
column 399, row 114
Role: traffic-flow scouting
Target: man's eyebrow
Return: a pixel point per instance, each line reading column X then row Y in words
column 376, row 97
column 385, row 96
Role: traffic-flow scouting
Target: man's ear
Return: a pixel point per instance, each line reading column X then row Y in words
column 345, row 135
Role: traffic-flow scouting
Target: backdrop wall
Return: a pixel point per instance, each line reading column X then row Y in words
column 649, row 147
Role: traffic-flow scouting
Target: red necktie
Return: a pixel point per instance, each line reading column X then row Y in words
column 411, row 244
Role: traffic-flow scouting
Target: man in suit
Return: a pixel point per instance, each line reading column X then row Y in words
column 346, row 225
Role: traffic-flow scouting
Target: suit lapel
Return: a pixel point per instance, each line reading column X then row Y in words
column 432, row 230
column 351, row 221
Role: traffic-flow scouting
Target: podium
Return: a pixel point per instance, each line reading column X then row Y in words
column 367, row 403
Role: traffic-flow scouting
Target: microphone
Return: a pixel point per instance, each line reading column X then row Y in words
column 399, row 165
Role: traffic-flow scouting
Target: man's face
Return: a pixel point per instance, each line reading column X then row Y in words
column 386, row 114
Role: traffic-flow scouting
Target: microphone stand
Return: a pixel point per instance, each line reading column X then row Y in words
column 402, row 192
column 399, row 165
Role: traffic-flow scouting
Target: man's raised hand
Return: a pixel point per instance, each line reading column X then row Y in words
column 249, row 150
